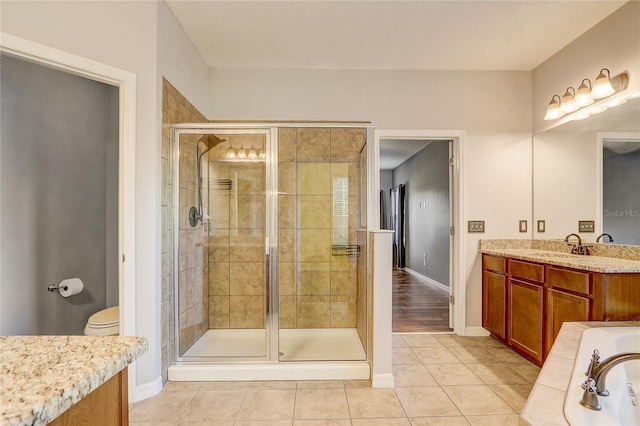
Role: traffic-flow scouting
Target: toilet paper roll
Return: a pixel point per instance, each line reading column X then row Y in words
column 70, row 286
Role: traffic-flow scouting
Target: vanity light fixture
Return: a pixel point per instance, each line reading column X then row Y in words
column 553, row 110
column 262, row 154
column 602, row 85
column 230, row 153
column 568, row 103
column 583, row 96
column 242, row 153
column 252, row 153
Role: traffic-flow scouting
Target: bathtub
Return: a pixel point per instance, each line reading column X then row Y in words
column 619, row 408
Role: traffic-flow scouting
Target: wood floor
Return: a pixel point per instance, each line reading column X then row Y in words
column 418, row 306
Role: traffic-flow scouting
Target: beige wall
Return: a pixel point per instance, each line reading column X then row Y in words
column 493, row 108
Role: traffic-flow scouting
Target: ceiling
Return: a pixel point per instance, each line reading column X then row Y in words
column 395, row 34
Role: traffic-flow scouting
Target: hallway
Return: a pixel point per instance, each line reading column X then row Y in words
column 417, row 306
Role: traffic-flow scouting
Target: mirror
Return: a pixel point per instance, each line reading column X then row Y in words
column 589, row 170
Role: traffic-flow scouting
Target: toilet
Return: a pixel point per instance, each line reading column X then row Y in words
column 104, row 323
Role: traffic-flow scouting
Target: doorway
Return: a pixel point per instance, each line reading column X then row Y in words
column 425, row 289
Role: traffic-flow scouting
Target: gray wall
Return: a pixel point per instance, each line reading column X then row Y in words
column 54, row 136
column 386, row 183
column 621, row 196
column 426, row 176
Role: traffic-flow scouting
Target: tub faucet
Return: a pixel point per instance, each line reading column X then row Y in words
column 577, row 248
column 597, row 375
column 604, row 235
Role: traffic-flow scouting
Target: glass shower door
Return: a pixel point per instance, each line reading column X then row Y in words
column 223, row 289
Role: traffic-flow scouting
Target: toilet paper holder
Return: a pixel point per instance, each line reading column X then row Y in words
column 53, row 287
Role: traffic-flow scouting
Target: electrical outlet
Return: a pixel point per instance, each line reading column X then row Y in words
column 586, row 226
column 541, row 226
column 475, row 226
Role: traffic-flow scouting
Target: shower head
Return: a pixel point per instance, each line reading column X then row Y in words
column 210, row 141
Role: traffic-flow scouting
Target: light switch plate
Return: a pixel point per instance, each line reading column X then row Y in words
column 541, row 226
column 475, row 226
column 586, row 226
column 523, row 226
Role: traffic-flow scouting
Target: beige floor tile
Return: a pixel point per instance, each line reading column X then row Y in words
column 453, row 374
column 263, row 423
column 439, row 421
column 397, row 341
column 164, row 407
column 323, row 422
column 268, row 404
column 473, row 354
column 201, row 424
column 526, row 370
column 477, row 400
column 275, row 384
column 223, row 385
column 496, row 374
column 436, row 355
column 351, row 384
column 503, row 420
column 153, row 423
column 514, row 395
column 505, row 354
column 178, row 386
column 426, row 401
column 455, row 340
column 412, row 375
column 216, row 405
column 402, row 421
column 321, row 384
column 373, row 402
column 421, row 340
column 321, row 404
column 404, row 356
column 489, row 342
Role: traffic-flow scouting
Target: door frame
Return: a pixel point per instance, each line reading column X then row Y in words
column 457, row 243
column 125, row 81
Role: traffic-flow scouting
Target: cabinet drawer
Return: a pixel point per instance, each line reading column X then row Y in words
column 575, row 281
column 494, row 263
column 526, row 270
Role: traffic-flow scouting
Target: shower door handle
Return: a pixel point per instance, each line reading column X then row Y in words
column 267, row 279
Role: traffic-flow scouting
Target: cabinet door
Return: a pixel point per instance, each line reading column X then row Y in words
column 494, row 303
column 525, row 318
column 563, row 307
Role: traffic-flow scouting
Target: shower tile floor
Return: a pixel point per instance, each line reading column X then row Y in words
column 309, row 344
column 440, row 379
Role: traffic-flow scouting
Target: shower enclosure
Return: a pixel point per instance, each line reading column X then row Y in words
column 271, row 246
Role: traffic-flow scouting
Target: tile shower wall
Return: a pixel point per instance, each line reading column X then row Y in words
column 236, row 238
column 319, row 213
column 193, row 309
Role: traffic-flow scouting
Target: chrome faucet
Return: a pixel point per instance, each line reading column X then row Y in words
column 604, row 235
column 597, row 375
column 577, row 248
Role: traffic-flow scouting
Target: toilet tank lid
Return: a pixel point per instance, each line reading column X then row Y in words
column 106, row 316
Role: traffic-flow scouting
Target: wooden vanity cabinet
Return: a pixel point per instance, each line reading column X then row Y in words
column 537, row 298
column 525, row 308
column 107, row 405
column 568, row 299
column 494, row 295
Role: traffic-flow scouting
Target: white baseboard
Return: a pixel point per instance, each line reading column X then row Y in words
column 382, row 381
column 476, row 331
column 146, row 390
column 427, row 280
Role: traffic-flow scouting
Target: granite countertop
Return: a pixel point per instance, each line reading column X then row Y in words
column 587, row 263
column 604, row 258
column 545, row 404
column 43, row 376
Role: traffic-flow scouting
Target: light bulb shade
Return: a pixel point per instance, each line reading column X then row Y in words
column 583, row 95
column 252, row 153
column 602, row 85
column 230, row 153
column 568, row 101
column 262, row 154
column 242, row 153
column 553, row 110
